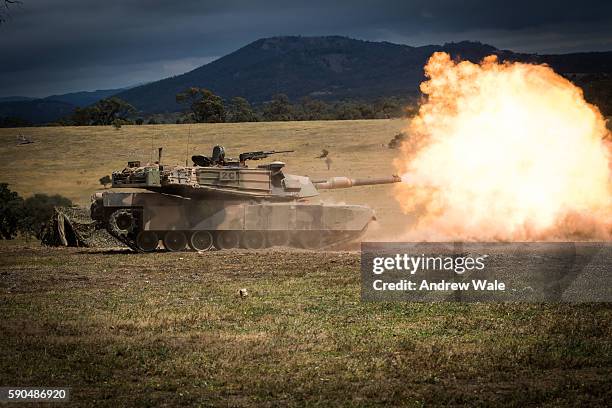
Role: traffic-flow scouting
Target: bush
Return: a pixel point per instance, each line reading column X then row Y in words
column 37, row 210
column 26, row 216
column 106, row 180
column 11, row 212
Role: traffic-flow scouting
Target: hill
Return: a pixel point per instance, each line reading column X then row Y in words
column 44, row 110
column 16, row 98
column 84, row 98
column 332, row 68
column 36, row 111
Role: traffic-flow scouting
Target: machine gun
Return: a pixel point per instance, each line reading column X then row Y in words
column 259, row 155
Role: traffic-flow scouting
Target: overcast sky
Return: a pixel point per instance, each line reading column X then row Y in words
column 59, row 46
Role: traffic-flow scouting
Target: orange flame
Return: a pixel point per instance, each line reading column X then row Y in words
column 505, row 151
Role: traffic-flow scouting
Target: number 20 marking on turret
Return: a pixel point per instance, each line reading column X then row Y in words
column 228, row 175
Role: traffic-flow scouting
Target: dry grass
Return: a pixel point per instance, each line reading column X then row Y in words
column 169, row 329
column 70, row 160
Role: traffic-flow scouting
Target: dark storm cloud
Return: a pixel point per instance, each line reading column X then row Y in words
column 50, row 46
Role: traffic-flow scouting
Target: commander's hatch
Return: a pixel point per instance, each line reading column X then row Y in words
column 276, row 174
column 275, row 166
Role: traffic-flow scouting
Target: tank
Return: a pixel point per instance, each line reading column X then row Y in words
column 223, row 203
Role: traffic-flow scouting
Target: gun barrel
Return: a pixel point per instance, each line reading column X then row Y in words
column 345, row 182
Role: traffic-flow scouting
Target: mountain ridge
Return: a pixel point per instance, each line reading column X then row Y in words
column 50, row 108
column 84, row 98
column 333, row 68
column 324, row 67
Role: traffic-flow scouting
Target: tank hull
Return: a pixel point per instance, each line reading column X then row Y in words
column 146, row 221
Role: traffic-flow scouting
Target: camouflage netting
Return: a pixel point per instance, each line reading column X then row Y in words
column 73, row 226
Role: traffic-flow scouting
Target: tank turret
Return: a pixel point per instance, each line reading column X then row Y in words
column 222, row 202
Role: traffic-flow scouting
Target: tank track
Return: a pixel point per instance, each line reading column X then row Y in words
column 130, row 243
column 342, row 238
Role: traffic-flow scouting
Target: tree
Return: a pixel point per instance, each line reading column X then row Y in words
column 314, row 109
column 112, row 109
column 278, row 109
column 11, row 212
column 388, row 108
column 189, row 97
column 203, row 104
column 367, row 112
column 38, row 209
column 240, row 110
column 104, row 112
column 106, row 180
column 347, row 111
column 82, row 117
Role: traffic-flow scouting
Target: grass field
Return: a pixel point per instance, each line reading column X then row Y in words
column 169, row 329
column 71, row 160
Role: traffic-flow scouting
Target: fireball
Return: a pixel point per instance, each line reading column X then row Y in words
column 505, row 151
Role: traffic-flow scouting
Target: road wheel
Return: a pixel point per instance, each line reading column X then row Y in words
column 227, row 240
column 175, row 240
column 253, row 240
column 278, row 238
column 147, row 241
column 201, row 241
column 309, row 239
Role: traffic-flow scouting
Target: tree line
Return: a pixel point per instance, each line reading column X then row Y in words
column 201, row 105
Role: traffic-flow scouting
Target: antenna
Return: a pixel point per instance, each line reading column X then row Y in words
column 151, row 151
column 188, row 139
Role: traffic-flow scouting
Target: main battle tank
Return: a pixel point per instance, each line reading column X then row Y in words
column 223, row 203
